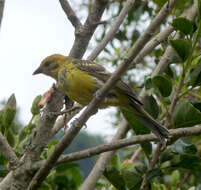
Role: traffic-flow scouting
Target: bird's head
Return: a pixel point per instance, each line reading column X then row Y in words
column 51, row 65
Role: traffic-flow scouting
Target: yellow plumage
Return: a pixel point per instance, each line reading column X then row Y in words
column 80, row 79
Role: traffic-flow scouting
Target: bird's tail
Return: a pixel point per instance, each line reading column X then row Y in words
column 160, row 131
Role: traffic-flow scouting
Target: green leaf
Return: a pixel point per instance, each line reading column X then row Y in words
column 115, row 161
column 35, row 108
column 174, row 58
column 163, row 84
column 166, row 156
column 3, row 173
column 153, row 173
column 158, row 186
column 11, row 138
column 135, row 124
column 197, row 105
column 181, row 147
column 199, row 9
column 114, row 177
column 190, row 162
column 160, row 3
column 131, row 177
column 169, row 71
column 148, row 84
column 64, row 167
column 183, row 25
column 51, row 147
column 182, row 47
column 195, row 74
column 151, row 106
column 185, row 115
column 175, row 178
column 139, row 128
column 9, row 111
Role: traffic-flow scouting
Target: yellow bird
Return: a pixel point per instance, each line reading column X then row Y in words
column 80, row 79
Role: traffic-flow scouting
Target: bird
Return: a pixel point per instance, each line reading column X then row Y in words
column 80, row 80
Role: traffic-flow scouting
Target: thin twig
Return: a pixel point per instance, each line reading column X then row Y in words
column 72, row 17
column 136, row 153
column 113, row 29
column 2, row 2
column 117, row 144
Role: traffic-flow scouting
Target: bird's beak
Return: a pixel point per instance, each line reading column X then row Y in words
column 37, row 71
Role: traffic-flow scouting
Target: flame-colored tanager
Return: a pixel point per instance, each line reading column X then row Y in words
column 80, row 79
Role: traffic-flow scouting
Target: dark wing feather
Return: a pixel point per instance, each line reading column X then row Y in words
column 102, row 74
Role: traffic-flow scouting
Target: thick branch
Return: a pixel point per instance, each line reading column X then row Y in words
column 72, row 17
column 8, row 152
column 113, row 29
column 84, row 33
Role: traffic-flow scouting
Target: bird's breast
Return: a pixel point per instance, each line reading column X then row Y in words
column 78, row 85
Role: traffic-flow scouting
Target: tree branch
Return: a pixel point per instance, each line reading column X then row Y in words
column 113, row 29
column 117, row 144
column 169, row 52
column 8, row 152
column 84, row 34
column 2, row 2
column 72, row 17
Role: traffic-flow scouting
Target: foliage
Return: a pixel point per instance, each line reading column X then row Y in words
column 179, row 164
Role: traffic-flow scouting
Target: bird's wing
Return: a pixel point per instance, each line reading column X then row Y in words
column 102, row 74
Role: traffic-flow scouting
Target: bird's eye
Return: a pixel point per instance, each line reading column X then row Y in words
column 47, row 63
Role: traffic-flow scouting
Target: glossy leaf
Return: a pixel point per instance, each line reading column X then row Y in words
column 190, row 162
column 185, row 115
column 148, row 84
column 151, row 106
column 131, row 178
column 182, row 47
column 153, row 173
column 139, row 128
column 163, row 84
column 114, row 177
column 195, row 74
column 183, row 25
column 199, row 9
